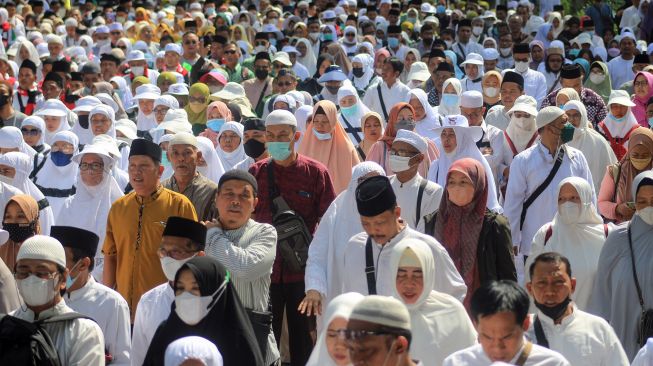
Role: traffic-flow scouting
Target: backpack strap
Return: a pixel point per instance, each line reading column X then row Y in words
column 549, row 232
column 418, row 209
column 37, row 167
column 63, row 318
column 378, row 90
column 538, row 191
column 369, row 267
column 539, row 333
column 616, row 179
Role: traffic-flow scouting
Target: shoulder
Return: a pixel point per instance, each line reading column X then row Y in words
column 314, row 166
column 495, row 110
column 154, row 294
column 358, row 240
column 260, row 227
column 495, row 219
column 174, row 196
column 542, row 354
column 464, row 356
column 596, row 322
column 124, row 201
column 432, row 187
column 110, row 295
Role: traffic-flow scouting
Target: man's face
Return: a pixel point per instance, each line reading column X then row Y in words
column 254, row 135
column 109, row 69
column 464, row 33
column 389, row 74
column 286, row 83
column 372, row 349
column 90, row 79
column 474, row 115
column 183, row 159
column 262, row 65
column 627, row 46
column 489, row 65
column 55, row 49
column 26, row 78
column 576, row 84
column 231, row 54
column 550, row 284
column 171, row 59
column 383, row 226
column 191, row 44
column 410, row 284
column 71, row 31
column 555, row 128
column 235, row 203
column 514, row 24
column 115, row 36
column 509, row 93
column 42, row 269
column 51, row 90
column 500, row 335
column 441, row 77
column 144, row 174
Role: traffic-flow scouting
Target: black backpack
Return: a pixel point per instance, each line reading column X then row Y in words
column 29, row 344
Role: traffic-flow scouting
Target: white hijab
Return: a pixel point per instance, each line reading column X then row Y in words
column 301, row 114
column 439, row 323
column 213, row 169
column 63, row 125
column 620, row 129
column 108, row 112
column 192, row 348
column 355, row 120
column 123, row 91
column 12, row 138
column 425, row 126
column 229, row 160
column 450, row 110
column 36, row 122
column 340, row 307
column 308, row 60
column 368, row 70
column 521, row 135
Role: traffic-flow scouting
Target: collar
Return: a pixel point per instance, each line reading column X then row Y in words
column 397, row 238
column 80, row 292
column 59, row 308
column 545, row 152
column 521, row 349
column 153, row 196
column 565, row 321
column 412, row 182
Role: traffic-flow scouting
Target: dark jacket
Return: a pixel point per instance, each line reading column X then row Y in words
column 494, row 255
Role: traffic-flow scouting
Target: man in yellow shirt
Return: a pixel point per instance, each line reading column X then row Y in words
column 135, row 226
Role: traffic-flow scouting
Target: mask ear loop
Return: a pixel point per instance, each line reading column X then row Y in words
column 218, row 293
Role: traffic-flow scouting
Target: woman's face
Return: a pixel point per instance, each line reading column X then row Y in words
column 420, row 113
column 644, row 198
column 410, row 283
column 14, row 214
column 93, row 169
column 24, row 53
column 410, row 58
column 100, row 124
column 641, row 86
column 238, row 34
column 321, row 123
column 324, row 65
column 537, row 53
column 448, row 139
column 568, row 193
column 347, row 101
column 561, row 99
column 146, row 106
column 491, row 82
column 301, row 48
column 573, row 117
column 471, row 71
column 618, row 110
column 555, row 62
column 229, row 141
column 335, row 342
column 378, row 63
column 215, row 113
column 52, row 123
column 372, row 129
column 556, row 23
column 405, row 114
column 186, row 283
column 450, row 89
column 460, row 189
column 639, row 152
column 146, row 34
column 31, row 135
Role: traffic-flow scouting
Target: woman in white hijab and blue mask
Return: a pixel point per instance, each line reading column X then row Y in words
column 230, row 145
column 351, row 112
column 450, row 100
column 426, row 118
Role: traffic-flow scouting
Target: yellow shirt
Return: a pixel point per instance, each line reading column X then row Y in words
column 134, row 229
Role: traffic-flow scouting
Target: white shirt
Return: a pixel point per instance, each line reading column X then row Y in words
column 497, row 116
column 391, row 96
column 621, row 71
column 494, row 136
column 407, row 199
column 153, row 308
column 448, row 281
column 469, row 84
column 534, row 84
column 78, row 342
column 110, row 311
column 245, row 164
column 630, row 18
column 475, row 356
column 527, row 171
column 582, row 338
column 462, row 50
column 301, row 71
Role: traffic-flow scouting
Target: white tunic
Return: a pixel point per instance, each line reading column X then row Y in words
column 534, row 84
column 153, row 308
column 391, row 96
column 110, row 311
column 448, row 279
column 583, row 339
column 621, row 71
column 497, row 116
column 475, row 356
column 78, row 342
column 407, row 199
column 527, row 171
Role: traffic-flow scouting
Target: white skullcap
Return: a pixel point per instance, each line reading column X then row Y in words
column 280, row 117
column 183, row 138
column 412, row 139
column 409, row 259
column 548, row 115
column 195, row 348
column 54, row 39
column 71, row 22
column 471, row 99
column 44, row 248
column 490, row 54
column 115, row 27
column 382, row 310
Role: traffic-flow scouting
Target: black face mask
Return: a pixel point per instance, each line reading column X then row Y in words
column 83, row 121
column 254, row 148
column 260, row 74
column 18, row 233
column 358, row 71
column 4, row 99
column 554, row 312
column 427, row 41
column 333, row 89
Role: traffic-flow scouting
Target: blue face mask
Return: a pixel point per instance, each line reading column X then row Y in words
column 562, row 106
column 650, row 122
column 393, row 42
column 69, row 280
column 440, row 9
column 164, row 160
column 450, row 100
column 618, row 120
column 349, row 112
column 574, row 52
column 279, row 150
column 215, row 124
column 322, row 136
column 327, row 36
column 59, row 158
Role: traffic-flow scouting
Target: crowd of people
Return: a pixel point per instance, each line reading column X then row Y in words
column 378, row 182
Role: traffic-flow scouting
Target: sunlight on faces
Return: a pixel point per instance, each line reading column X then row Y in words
column 405, row 114
column 410, row 283
column 183, row 159
column 92, row 177
column 335, row 343
column 500, row 335
column 52, row 123
column 561, row 99
column 146, row 106
column 186, row 283
column 229, row 141
column 14, row 214
column 573, row 117
column 640, row 85
column 321, row 123
column 100, row 124
column 460, row 189
column 491, row 81
column 373, row 349
column 235, row 203
column 474, row 115
column 448, row 138
column 383, row 226
column 550, row 284
column 404, row 149
column 144, row 174
column 372, row 129
column 160, row 113
column 450, row 90
column 618, row 110
column 347, row 101
column 509, row 93
column 420, row 113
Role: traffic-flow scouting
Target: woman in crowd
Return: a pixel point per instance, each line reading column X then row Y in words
column 209, row 165
column 450, row 101
column 217, row 114
column 21, row 220
column 373, row 126
column 55, row 115
column 620, row 123
column 599, row 80
column 196, row 108
column 643, row 87
column 11, row 139
column 363, row 76
column 351, row 113
column 33, row 131
column 426, row 118
column 491, row 89
column 565, row 95
column 230, row 145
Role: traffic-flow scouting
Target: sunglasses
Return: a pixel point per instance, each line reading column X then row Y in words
column 116, row 33
column 230, row 52
column 30, row 132
column 197, row 100
column 287, row 83
column 263, row 43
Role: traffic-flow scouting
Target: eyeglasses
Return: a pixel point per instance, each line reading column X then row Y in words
column 175, row 253
column 21, row 275
column 161, row 111
column 190, row 42
column 30, row 132
column 287, row 83
column 94, row 167
column 641, row 83
column 197, row 99
column 65, row 150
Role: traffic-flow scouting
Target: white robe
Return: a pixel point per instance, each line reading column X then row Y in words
column 497, row 116
column 534, row 84
column 391, row 96
column 153, row 308
column 475, row 356
column 621, row 71
column 110, row 311
column 407, row 199
column 57, row 177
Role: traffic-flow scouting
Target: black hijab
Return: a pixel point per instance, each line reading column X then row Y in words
column 226, row 325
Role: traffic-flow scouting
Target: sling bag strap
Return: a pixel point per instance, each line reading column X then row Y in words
column 260, row 97
column 632, row 260
column 420, row 193
column 512, row 145
column 539, row 333
column 462, row 53
column 378, row 90
column 369, row 268
column 37, row 167
column 616, row 179
column 272, row 187
column 538, row 191
column 352, row 130
column 521, row 361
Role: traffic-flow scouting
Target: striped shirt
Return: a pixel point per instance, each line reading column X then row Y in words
column 248, row 253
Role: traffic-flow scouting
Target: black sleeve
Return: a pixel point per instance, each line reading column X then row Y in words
column 156, row 350
column 505, row 263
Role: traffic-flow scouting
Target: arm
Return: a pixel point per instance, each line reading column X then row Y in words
column 110, row 256
column 119, row 344
column 607, row 208
column 515, row 197
column 140, row 343
column 187, row 209
column 540, row 94
column 315, row 276
column 503, row 249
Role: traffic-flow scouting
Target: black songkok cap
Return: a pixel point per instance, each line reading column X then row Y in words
column 261, row 35
column 394, row 12
column 641, row 58
column 28, row 64
column 445, row 66
column 77, row 238
column 53, row 76
column 394, row 29
column 436, row 52
column 219, row 39
column 513, row 77
column 263, row 55
column 145, row 147
column 76, row 76
column 109, row 57
column 588, row 23
column 61, row 66
column 254, row 124
column 570, row 71
column 375, row 196
column 521, row 48
column 465, row 23
column 185, row 228
column 502, row 7
column 237, row 174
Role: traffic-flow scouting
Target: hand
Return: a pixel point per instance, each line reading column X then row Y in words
column 624, row 213
column 211, row 224
column 312, row 303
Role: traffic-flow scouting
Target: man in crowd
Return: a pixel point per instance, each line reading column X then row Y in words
column 534, row 81
column 9, row 116
column 260, row 86
column 27, row 95
column 512, row 87
column 253, row 143
column 389, row 91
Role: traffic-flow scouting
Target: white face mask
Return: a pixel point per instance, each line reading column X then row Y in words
column 521, row 66
column 192, row 309
column 597, row 78
column 646, row 214
column 505, row 52
column 399, row 163
column 138, row 70
column 524, row 123
column 569, row 212
column 477, row 31
column 170, row 266
column 6, row 179
column 36, row 291
column 491, row 92
column 314, row 35
column 259, row 48
column 448, row 43
column 414, row 84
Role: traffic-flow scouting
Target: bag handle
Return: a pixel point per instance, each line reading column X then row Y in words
column 538, row 191
column 632, row 260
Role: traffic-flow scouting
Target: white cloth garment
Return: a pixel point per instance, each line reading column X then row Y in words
column 475, row 356
column 439, row 323
column 596, row 149
column 445, row 110
column 301, row 71
column 407, row 199
column 123, row 147
column 340, row 222
column 110, row 311
column 580, row 241
column 12, row 138
column 153, row 308
column 78, row 342
column 57, row 105
column 448, row 280
column 621, row 71
column 494, row 137
column 340, row 307
column 192, row 348
column 36, row 122
column 363, row 82
column 645, row 355
column 498, row 117
column 230, row 159
column 582, row 338
column 620, row 129
column 354, row 120
column 534, row 84
column 431, row 120
column 464, row 49
column 145, row 122
column 527, row 171
column 391, row 96
column 6, row 192
column 213, row 169
column 309, row 60
column 245, row 164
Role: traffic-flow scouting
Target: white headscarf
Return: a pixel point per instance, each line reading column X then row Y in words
column 361, row 109
column 450, row 110
column 63, row 126
column 425, row 126
column 33, row 53
column 123, row 91
column 620, row 129
column 12, row 138
column 106, row 111
column 368, row 70
column 521, row 135
column 580, row 240
column 439, row 323
column 195, row 348
column 340, row 307
column 213, row 169
column 308, row 60
column 229, row 160
column 301, row 114
column 595, row 147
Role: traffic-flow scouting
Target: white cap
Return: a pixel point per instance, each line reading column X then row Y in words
column 135, row 55
column 490, row 54
column 620, row 97
column 526, row 104
column 328, row 14
column 183, row 138
column 178, row 89
column 488, row 14
column 103, row 29
column 427, row 8
column 52, row 107
column 54, row 39
column 382, row 310
column 419, row 71
column 147, row 91
column 195, row 7
column 115, row 27
column 471, row 99
column 230, row 91
column 627, row 35
column 127, row 128
column 42, row 49
column 412, row 139
column 85, row 104
column 460, row 125
column 173, row 47
column 280, row 117
column 473, row 59
column 108, row 143
column 167, row 101
column 44, row 248
column 283, row 58
column 548, row 115
column 289, row 50
column 71, row 22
